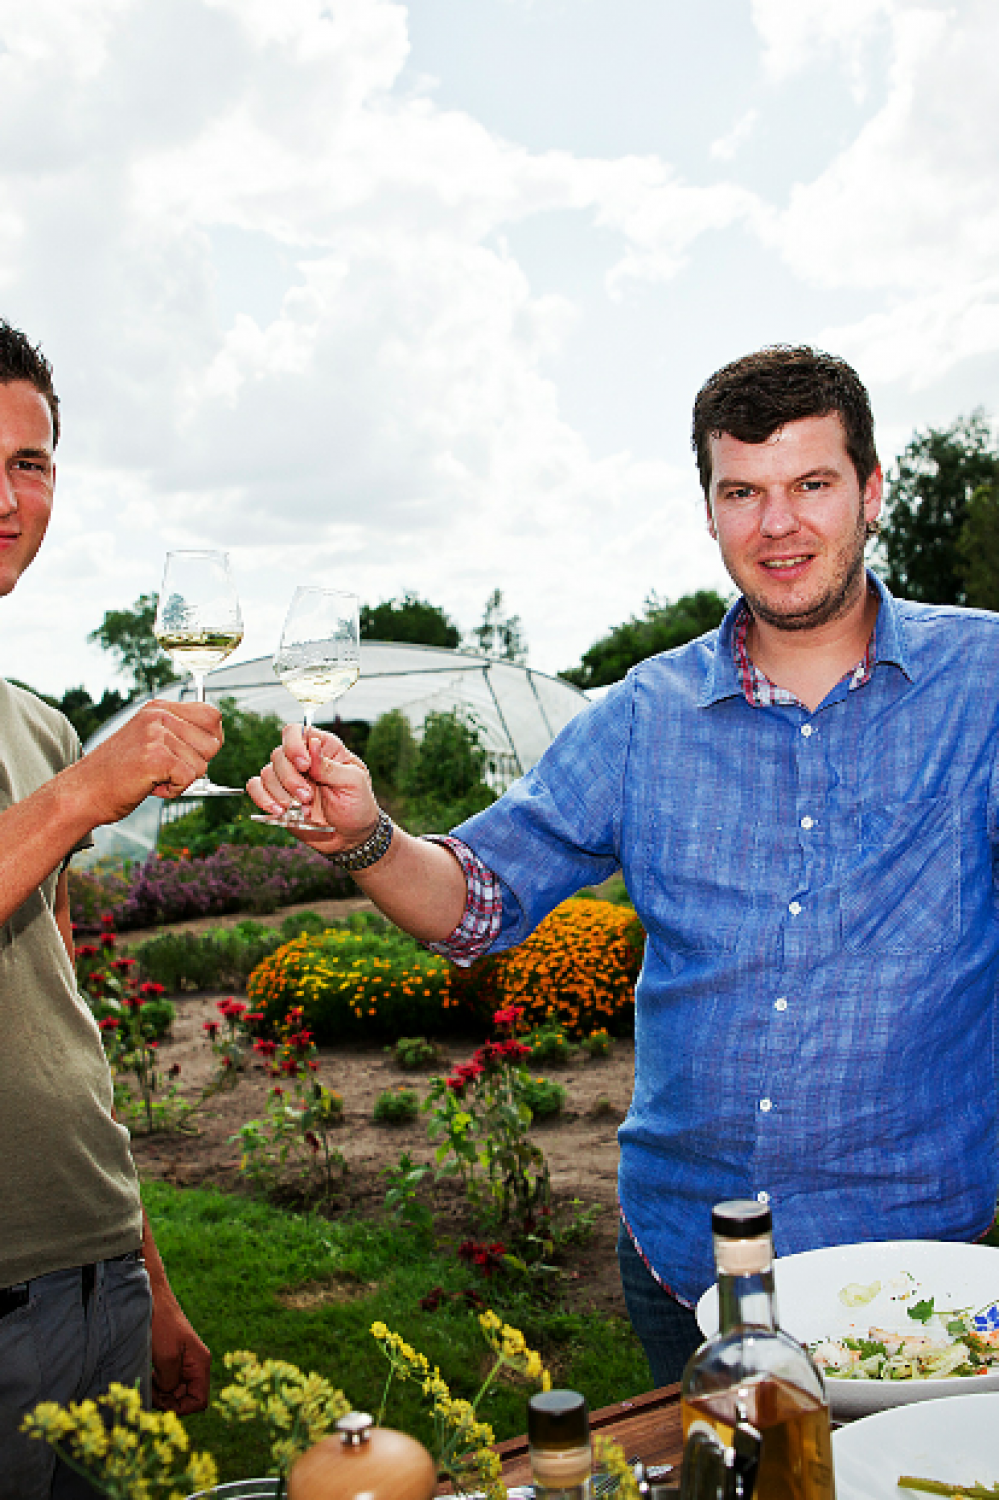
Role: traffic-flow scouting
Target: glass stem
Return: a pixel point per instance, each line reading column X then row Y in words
column 199, row 686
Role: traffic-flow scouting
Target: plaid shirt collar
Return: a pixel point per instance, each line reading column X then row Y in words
column 757, row 688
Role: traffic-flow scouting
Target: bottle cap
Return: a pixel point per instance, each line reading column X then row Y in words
column 741, row 1219
column 558, row 1419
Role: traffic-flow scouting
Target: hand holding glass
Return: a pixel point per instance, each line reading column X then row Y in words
column 198, row 624
column 319, row 659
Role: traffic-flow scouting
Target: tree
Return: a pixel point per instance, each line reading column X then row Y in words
column 662, row 627
column 978, row 549
column 499, row 635
column 445, row 784
column 409, row 619
column 391, row 751
column 128, row 635
column 926, row 504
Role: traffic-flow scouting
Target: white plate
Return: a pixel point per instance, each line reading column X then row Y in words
column 809, row 1308
column 953, row 1441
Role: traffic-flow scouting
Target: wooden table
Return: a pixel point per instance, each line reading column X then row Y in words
column 647, row 1427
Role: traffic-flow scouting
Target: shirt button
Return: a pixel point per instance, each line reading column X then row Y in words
column 807, row 822
column 795, row 908
column 807, row 731
column 763, row 1197
column 766, row 1105
column 780, row 1003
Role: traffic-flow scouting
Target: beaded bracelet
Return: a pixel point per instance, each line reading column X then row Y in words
column 370, row 852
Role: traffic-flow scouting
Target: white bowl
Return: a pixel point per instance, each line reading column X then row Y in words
column 953, row 1441
column 809, row 1308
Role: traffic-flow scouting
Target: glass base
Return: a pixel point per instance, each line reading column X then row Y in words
column 205, row 788
column 286, row 820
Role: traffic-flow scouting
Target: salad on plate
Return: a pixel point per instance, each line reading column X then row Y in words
column 932, row 1343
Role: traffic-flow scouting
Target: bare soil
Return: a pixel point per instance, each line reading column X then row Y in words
column 580, row 1145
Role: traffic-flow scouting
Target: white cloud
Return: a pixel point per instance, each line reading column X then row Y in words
column 728, row 146
column 396, row 416
column 793, row 30
column 910, row 208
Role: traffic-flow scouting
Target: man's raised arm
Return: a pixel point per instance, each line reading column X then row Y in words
column 159, row 752
column 419, row 886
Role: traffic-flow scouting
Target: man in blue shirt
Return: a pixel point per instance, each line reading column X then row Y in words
column 804, row 805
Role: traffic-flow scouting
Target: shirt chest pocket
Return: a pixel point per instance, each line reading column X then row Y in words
column 902, row 893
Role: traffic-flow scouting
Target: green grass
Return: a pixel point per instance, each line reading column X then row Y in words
column 228, row 1258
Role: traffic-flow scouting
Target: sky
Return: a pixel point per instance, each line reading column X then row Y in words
column 416, row 297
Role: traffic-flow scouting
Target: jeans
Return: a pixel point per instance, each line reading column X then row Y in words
column 64, row 1346
column 668, row 1331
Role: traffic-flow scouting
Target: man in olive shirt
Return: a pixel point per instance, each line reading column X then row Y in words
column 78, row 1265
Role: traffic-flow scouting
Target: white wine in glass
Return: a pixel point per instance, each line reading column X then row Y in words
column 319, row 659
column 198, row 624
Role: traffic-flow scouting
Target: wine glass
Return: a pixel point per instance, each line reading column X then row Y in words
column 319, row 659
column 198, row 624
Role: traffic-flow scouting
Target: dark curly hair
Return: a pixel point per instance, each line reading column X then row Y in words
column 22, row 360
column 754, row 396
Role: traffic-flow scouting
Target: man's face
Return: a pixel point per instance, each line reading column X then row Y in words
column 789, row 516
column 27, row 477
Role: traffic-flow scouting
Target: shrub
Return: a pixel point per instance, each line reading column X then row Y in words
column 412, row 1052
column 598, row 1043
column 543, row 1097
column 397, row 1106
column 359, row 981
column 233, row 879
column 577, row 970
column 221, row 959
column 549, row 1044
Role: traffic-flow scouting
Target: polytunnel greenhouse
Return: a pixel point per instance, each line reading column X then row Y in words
column 519, row 712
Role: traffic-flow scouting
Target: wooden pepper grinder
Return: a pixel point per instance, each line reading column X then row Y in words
column 363, row 1460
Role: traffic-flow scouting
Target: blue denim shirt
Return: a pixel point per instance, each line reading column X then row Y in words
column 815, row 1012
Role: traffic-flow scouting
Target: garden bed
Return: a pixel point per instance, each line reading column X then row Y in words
column 580, row 1145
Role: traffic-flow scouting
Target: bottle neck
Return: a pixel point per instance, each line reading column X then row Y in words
column 746, row 1300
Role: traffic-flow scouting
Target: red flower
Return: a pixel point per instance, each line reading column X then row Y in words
column 265, row 1047
column 212, row 1027
column 107, row 939
column 150, row 989
column 508, row 1016
column 86, row 950
column 133, row 1002
column 110, row 1023
column 289, row 1066
column 122, row 965
column 277, row 1089
column 312, row 1066
column 107, row 918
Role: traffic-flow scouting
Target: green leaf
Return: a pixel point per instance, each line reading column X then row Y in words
column 922, row 1312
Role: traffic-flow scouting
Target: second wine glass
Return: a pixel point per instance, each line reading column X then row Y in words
column 198, row 624
column 319, row 659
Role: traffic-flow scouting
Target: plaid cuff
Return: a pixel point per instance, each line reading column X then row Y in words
column 480, row 925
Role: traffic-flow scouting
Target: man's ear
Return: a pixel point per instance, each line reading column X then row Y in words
column 873, row 492
column 710, row 520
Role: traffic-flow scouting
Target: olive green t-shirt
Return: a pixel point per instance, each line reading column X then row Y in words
column 68, row 1189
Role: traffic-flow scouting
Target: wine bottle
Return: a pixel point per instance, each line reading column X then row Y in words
column 754, row 1407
